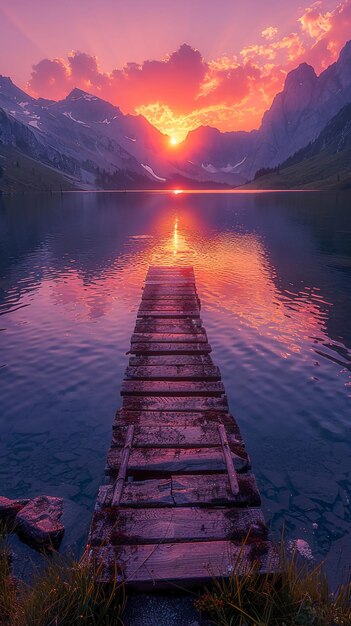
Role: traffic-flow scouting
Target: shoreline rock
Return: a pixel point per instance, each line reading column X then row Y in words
column 36, row 521
column 10, row 508
column 39, row 521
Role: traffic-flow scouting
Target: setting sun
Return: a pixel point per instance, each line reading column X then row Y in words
column 173, row 141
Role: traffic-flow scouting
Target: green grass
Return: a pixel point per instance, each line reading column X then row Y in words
column 67, row 593
column 323, row 171
column 21, row 173
column 298, row 596
column 64, row 593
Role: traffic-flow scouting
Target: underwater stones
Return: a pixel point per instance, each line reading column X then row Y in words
column 320, row 488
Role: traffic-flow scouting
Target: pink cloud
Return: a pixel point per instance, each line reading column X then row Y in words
column 315, row 22
column 50, row 79
column 183, row 90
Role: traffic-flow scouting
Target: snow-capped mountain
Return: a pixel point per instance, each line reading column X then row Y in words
column 84, row 137
column 92, row 143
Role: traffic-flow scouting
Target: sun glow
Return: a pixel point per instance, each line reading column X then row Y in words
column 173, row 141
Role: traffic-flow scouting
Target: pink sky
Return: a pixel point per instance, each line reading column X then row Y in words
column 132, row 53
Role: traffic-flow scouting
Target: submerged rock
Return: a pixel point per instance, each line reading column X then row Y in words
column 10, row 508
column 39, row 521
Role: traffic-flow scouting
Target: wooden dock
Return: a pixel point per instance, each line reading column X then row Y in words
column 180, row 500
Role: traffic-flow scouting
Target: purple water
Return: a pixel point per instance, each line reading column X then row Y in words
column 273, row 272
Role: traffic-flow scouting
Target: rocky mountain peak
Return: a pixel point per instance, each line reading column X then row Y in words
column 11, row 91
column 303, row 76
column 5, row 81
column 77, row 94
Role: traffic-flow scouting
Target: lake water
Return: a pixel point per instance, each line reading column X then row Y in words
column 273, row 272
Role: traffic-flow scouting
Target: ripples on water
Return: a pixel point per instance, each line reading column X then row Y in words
column 273, row 273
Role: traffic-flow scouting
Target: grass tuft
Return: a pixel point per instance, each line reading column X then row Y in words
column 298, row 596
column 64, row 593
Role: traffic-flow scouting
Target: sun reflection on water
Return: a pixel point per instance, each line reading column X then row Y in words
column 175, row 237
column 234, row 273
column 272, row 278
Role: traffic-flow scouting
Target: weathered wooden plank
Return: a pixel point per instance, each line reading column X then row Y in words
column 182, row 273
column 215, row 490
column 182, row 327
column 193, row 323
column 154, row 348
column 164, row 286
column 172, row 292
column 168, row 314
column 151, row 276
column 175, row 269
column 174, row 418
column 171, row 388
column 118, row 485
column 157, row 279
column 184, row 490
column 171, row 304
column 189, row 276
column 173, row 372
column 159, row 282
column 171, row 525
column 166, row 403
column 163, row 360
column 177, row 311
column 165, row 461
column 168, row 337
column 181, row 563
column 168, row 305
column 171, row 299
column 169, row 284
column 178, row 269
column 138, row 493
column 172, row 436
column 234, row 485
column 172, row 267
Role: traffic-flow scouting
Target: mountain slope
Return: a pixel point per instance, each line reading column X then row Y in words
column 19, row 172
column 88, row 139
column 324, row 163
column 296, row 117
column 90, row 143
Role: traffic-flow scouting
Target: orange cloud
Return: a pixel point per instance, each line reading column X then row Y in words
column 316, row 23
column 330, row 31
column 184, row 90
column 270, row 32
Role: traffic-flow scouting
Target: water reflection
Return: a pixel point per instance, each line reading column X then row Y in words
column 273, row 273
column 235, row 273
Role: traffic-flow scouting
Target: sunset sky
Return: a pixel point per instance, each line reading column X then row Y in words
column 181, row 63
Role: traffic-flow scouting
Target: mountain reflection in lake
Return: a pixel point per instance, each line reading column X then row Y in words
column 273, row 273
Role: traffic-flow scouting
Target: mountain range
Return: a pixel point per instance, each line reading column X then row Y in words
column 83, row 138
column 85, row 142
column 297, row 115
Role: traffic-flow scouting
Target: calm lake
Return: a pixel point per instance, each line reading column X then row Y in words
column 273, row 273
